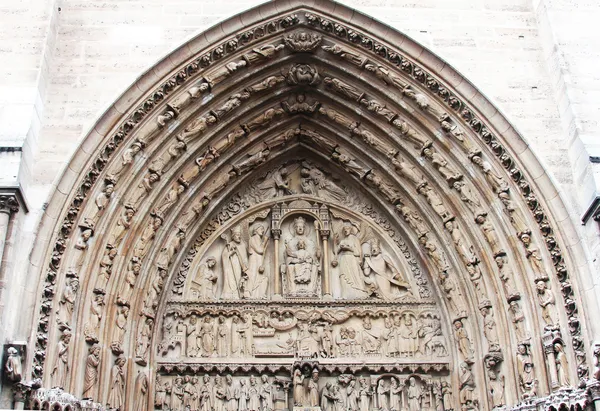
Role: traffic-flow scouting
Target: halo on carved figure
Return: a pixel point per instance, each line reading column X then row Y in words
column 411, row 164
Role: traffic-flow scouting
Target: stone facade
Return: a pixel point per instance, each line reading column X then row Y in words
column 461, row 177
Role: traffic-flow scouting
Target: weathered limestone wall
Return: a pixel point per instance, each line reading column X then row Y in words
column 64, row 61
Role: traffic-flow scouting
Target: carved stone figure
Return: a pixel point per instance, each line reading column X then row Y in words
column 407, row 131
column 346, row 54
column 562, row 365
column 468, row 197
column 506, row 276
column 378, row 108
column 467, row 387
column 91, row 372
column 548, row 304
column 413, row 219
column 313, row 390
column 450, row 174
column 61, row 369
column 527, row 379
column 127, row 286
column 465, row 250
column 463, row 341
column 265, row 52
column 143, row 244
column 141, row 392
column 438, row 257
column 303, row 74
column 516, row 216
column 137, row 195
column 224, row 72
column 386, row 188
column 489, row 329
column 235, row 265
column 258, row 282
column 498, row 183
column 496, row 389
column 266, row 394
column 408, row 171
column 518, row 319
column 386, row 281
column 302, row 258
column 386, row 76
column 300, row 105
column 263, row 119
column 240, row 330
column 121, row 329
column 105, row 268
column 302, row 41
column 299, row 391
column 204, row 398
column 116, row 396
column 219, row 395
column 349, row 163
column 343, row 88
column 414, row 395
column 96, row 314
column 13, row 370
column 67, row 302
column 348, row 262
column 123, row 224
column 381, row 396
column 143, row 341
column 177, row 391
column 534, row 256
column 436, row 202
column 162, row 163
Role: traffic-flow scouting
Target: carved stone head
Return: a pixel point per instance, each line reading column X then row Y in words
column 300, row 225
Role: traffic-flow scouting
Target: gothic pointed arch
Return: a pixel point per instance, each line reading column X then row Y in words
column 298, row 208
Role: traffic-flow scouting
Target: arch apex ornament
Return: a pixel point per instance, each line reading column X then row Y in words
column 305, row 213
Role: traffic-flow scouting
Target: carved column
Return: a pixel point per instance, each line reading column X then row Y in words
column 548, row 341
column 326, row 284
column 8, row 206
column 276, row 233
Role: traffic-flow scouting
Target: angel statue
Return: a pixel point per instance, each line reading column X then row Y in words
column 348, row 260
column 383, row 279
column 302, row 259
column 258, row 282
column 235, row 265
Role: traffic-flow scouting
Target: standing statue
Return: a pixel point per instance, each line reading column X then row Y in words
column 395, row 391
column 299, row 394
column 414, row 395
column 61, row 368
column 381, row 396
column 562, row 365
column 116, row 397
column 313, row 390
column 235, row 265
column 266, row 394
column 258, row 282
column 141, row 392
column 91, row 372
column 364, row 394
column 348, row 259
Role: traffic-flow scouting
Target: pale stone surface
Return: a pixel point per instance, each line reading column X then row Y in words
column 66, row 67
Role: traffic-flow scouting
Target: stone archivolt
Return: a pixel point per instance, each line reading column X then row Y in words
column 304, row 197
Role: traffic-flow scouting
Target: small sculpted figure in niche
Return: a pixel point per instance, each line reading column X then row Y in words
column 407, row 336
column 141, row 390
column 414, row 395
column 467, row 387
column 235, row 264
column 435, row 201
column 299, row 391
column 253, row 395
column 303, row 259
column 82, row 241
column 160, row 165
column 105, row 268
column 343, row 88
column 562, row 365
column 490, row 234
column 263, row 120
column 219, row 395
column 408, row 171
column 384, row 187
column 300, row 105
column 177, row 394
column 13, row 369
column 220, row 74
column 170, row 199
column 468, row 197
column 496, row 388
column 130, row 278
column 96, row 313
column 413, row 219
column 230, row 400
column 386, row 76
column 307, row 344
column 327, row 341
column 447, row 171
column 505, row 275
column 160, row 395
column 137, row 195
column 496, row 181
column 116, row 397
column 516, row 216
column 121, row 328
column 207, row 337
column 349, row 163
column 458, row 134
column 262, row 53
column 258, row 282
column 143, row 341
column 407, row 131
column 381, row 396
column 151, row 301
column 61, row 369
column 378, row 108
column 351, row 396
column 327, row 397
column 453, row 292
column 204, row 400
column 338, row 117
column 207, row 279
column 364, row 394
column 526, row 373
column 266, row 394
column 389, row 339
column 372, row 140
column 548, row 304
column 127, row 158
column 463, row 342
column 342, row 343
column 303, row 74
column 143, row 244
column 91, row 372
column 222, row 337
column 166, row 254
column 534, row 256
column 431, row 339
column 489, row 329
column 239, row 336
column 231, row 104
column 370, row 340
column 518, row 319
column 312, row 399
column 192, row 331
column 196, row 128
column 345, row 54
column 395, row 392
column 67, row 302
column 123, row 224
column 465, row 250
column 439, row 258
column 383, row 277
column 348, row 259
column 265, row 84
